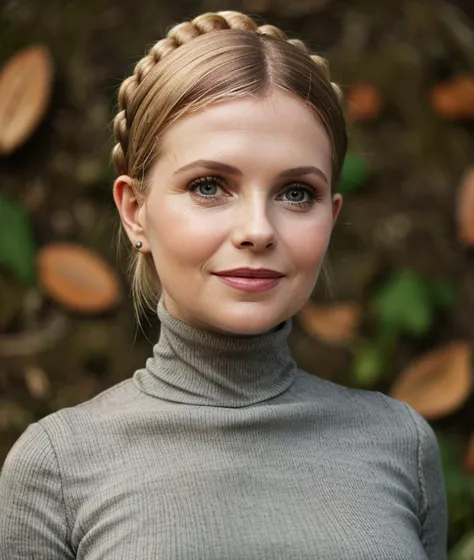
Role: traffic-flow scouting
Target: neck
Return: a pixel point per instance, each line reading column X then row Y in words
column 191, row 365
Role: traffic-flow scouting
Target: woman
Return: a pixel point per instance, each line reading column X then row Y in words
column 230, row 141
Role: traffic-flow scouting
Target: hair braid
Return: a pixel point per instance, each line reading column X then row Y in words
column 178, row 35
column 220, row 67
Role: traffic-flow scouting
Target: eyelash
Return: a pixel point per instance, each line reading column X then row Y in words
column 314, row 195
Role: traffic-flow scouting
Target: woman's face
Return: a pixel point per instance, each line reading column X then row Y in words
column 240, row 184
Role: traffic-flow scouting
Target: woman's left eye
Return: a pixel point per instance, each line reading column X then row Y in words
column 300, row 195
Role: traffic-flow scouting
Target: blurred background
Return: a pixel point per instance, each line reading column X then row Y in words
column 394, row 311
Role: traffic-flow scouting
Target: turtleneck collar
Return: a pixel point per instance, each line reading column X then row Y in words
column 192, row 365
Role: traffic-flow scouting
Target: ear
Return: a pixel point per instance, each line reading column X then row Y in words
column 130, row 208
column 336, row 207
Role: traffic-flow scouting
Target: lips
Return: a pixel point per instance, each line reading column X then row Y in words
column 250, row 273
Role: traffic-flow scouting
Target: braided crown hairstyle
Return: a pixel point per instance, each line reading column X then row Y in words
column 196, row 65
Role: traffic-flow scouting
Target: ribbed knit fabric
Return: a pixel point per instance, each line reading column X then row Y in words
column 221, row 448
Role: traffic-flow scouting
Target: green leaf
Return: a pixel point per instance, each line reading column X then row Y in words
column 17, row 246
column 403, row 305
column 368, row 365
column 353, row 175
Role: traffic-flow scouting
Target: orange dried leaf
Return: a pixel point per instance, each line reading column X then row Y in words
column 444, row 101
column 454, row 99
column 464, row 89
column 334, row 324
column 465, row 208
column 77, row 278
column 363, row 103
column 25, row 89
column 438, row 383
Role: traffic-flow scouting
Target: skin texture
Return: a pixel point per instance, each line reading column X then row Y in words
column 229, row 219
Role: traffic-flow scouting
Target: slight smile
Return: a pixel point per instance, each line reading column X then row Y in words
column 250, row 279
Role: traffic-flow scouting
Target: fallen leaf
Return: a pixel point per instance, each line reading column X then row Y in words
column 25, row 90
column 37, row 382
column 438, row 383
column 464, row 88
column 77, row 278
column 17, row 241
column 465, row 208
column 363, row 103
column 353, row 174
column 369, row 364
column 402, row 304
column 454, row 99
column 444, row 101
column 333, row 324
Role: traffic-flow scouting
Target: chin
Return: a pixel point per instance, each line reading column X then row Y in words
column 231, row 317
column 246, row 323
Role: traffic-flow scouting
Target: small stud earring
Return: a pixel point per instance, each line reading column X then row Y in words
column 138, row 244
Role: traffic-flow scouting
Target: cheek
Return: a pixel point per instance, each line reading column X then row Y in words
column 308, row 246
column 182, row 235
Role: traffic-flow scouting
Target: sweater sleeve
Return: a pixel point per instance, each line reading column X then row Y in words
column 32, row 513
column 433, row 507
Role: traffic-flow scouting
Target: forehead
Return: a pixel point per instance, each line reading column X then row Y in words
column 278, row 125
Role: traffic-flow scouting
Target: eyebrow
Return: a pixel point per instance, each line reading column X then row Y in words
column 225, row 168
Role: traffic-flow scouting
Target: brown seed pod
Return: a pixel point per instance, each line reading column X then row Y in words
column 438, row 383
column 77, row 278
column 333, row 324
column 465, row 208
column 25, row 90
column 363, row 103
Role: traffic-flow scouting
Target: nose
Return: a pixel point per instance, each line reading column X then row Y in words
column 253, row 227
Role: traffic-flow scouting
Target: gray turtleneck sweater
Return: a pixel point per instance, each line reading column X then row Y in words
column 221, row 448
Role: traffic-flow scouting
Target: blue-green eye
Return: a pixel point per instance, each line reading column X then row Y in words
column 211, row 188
column 296, row 195
column 300, row 195
column 206, row 187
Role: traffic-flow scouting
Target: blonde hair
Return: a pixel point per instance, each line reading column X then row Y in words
column 198, row 64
